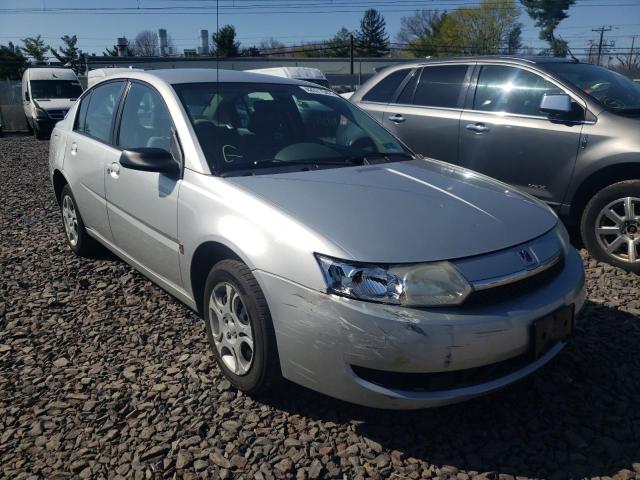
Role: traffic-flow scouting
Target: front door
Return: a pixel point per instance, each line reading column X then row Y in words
column 426, row 114
column 143, row 206
column 504, row 135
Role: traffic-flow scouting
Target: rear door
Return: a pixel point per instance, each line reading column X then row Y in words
column 89, row 150
column 375, row 101
column 426, row 113
column 143, row 206
column 504, row 135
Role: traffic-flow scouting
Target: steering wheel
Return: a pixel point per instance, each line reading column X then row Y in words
column 612, row 102
column 231, row 153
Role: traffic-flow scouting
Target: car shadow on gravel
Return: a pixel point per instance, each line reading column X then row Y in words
column 577, row 417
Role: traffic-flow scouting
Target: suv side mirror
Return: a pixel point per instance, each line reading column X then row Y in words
column 556, row 104
column 26, row 96
column 150, row 160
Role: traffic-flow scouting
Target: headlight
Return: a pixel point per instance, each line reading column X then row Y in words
column 417, row 285
column 563, row 235
column 41, row 113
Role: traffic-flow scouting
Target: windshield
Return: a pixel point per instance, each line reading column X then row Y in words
column 55, row 89
column 252, row 128
column 614, row 91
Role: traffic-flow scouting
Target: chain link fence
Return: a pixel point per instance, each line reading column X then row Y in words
column 12, row 117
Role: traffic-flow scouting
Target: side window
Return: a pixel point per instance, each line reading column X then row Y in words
column 145, row 121
column 101, row 110
column 82, row 113
column 511, row 90
column 406, row 97
column 440, row 86
column 383, row 91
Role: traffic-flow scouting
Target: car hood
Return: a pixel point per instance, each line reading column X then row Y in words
column 413, row 211
column 55, row 103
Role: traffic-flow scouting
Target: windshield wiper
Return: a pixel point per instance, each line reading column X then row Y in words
column 377, row 157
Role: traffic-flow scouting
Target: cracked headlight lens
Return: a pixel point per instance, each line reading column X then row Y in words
column 417, row 285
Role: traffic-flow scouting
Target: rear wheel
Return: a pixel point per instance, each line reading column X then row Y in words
column 610, row 225
column 77, row 237
column 239, row 327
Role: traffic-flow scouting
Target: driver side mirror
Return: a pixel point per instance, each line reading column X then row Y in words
column 26, row 96
column 556, row 104
column 150, row 160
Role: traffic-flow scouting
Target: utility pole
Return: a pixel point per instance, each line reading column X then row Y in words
column 601, row 30
column 351, row 53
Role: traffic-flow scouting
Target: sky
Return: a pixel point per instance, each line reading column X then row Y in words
column 292, row 22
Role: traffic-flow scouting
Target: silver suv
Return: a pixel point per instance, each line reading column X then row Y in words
column 564, row 131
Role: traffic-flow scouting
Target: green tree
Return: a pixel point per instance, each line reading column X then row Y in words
column 340, row 44
column 69, row 53
column 547, row 15
column 12, row 62
column 224, row 42
column 113, row 52
column 481, row 30
column 35, row 48
column 251, row 51
column 514, row 39
column 372, row 38
column 420, row 32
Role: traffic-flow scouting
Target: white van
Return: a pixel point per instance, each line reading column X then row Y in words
column 100, row 74
column 47, row 95
column 307, row 74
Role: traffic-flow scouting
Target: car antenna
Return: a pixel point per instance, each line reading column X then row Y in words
column 573, row 57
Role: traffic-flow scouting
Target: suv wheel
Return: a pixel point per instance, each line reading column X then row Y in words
column 610, row 225
column 239, row 327
column 77, row 237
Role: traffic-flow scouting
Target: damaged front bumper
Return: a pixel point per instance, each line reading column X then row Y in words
column 387, row 356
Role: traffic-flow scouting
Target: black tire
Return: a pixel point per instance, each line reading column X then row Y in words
column 630, row 229
column 264, row 371
column 39, row 134
column 85, row 246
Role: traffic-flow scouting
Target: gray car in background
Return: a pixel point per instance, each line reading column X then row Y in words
column 315, row 245
column 565, row 132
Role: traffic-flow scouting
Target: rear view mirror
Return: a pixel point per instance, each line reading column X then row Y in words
column 149, row 160
column 557, row 103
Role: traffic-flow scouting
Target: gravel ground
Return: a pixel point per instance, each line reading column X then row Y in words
column 102, row 374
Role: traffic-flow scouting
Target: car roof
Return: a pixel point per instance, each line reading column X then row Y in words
column 204, row 75
column 51, row 73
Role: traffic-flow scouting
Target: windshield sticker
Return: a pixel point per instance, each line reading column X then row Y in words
column 318, row 91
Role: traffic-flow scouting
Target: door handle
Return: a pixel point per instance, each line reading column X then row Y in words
column 477, row 127
column 114, row 170
column 74, row 148
column 397, row 118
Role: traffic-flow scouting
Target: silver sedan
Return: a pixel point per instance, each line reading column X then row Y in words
column 314, row 244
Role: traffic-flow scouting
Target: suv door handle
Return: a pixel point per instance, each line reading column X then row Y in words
column 397, row 118
column 477, row 127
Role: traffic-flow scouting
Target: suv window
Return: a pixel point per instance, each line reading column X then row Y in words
column 103, row 103
column 145, row 120
column 511, row 90
column 383, row 91
column 440, row 86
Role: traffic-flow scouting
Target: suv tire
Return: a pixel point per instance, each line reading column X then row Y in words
column 610, row 225
column 239, row 328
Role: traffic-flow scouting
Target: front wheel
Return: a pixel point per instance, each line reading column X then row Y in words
column 610, row 225
column 239, row 328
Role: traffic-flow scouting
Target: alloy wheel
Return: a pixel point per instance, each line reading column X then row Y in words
column 70, row 219
column 231, row 328
column 617, row 229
